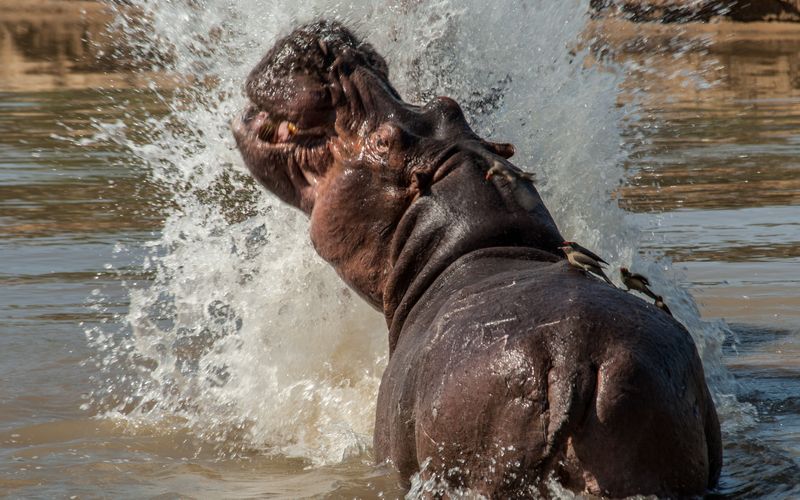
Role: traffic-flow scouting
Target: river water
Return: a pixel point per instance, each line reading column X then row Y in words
column 167, row 331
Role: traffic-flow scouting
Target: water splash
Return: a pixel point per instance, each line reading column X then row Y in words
column 244, row 334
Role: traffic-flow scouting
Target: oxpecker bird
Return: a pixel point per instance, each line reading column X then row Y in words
column 659, row 303
column 521, row 184
column 584, row 251
column 584, row 261
column 633, row 281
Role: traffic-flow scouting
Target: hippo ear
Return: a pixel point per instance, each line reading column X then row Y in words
column 504, row 149
column 421, row 181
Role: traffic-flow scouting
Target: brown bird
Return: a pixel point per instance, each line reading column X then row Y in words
column 584, row 260
column 584, row 251
column 521, row 184
column 659, row 303
column 633, row 281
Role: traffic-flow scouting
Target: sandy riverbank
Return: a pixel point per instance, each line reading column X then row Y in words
column 44, row 29
column 49, row 44
column 682, row 11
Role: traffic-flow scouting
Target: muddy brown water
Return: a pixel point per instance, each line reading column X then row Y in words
column 721, row 164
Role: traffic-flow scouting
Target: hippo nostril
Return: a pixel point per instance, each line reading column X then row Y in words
column 336, row 94
column 345, row 63
column 345, row 68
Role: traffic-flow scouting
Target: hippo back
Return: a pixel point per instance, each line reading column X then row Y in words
column 531, row 368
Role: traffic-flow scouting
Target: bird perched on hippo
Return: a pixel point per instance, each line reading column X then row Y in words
column 634, row 281
column 585, row 260
column 506, row 366
column 520, row 184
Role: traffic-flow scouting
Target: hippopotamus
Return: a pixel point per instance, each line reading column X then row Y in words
column 507, row 367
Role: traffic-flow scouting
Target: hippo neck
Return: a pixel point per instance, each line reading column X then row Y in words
column 460, row 214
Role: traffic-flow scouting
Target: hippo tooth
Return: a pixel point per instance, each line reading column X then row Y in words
column 285, row 131
column 266, row 132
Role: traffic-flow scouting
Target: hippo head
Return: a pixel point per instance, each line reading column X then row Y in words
column 327, row 132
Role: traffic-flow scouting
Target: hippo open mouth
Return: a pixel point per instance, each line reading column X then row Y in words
column 320, row 93
column 290, row 129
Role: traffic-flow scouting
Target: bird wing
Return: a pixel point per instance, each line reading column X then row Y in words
column 500, row 169
column 585, row 260
column 640, row 278
column 590, row 254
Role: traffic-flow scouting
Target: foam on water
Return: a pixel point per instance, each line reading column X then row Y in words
column 244, row 333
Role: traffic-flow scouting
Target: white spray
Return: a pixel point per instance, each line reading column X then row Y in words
column 244, row 333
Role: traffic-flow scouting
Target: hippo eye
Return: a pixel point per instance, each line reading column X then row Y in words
column 382, row 145
column 383, row 138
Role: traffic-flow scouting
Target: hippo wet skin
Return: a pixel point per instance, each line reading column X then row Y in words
column 507, row 366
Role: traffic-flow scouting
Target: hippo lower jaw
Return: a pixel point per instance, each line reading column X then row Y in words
column 281, row 155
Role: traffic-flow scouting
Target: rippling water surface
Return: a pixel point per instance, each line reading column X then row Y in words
column 167, row 329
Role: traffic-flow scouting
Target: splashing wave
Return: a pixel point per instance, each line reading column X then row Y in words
column 244, row 334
